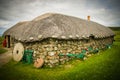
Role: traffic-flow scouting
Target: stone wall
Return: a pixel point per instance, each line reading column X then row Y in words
column 50, row 49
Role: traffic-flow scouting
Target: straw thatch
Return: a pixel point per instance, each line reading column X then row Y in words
column 57, row 26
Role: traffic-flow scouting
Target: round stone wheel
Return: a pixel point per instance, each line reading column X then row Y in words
column 39, row 63
column 18, row 52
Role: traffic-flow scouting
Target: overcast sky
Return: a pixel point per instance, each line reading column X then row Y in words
column 105, row 12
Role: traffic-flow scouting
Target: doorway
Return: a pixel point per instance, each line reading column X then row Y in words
column 8, row 41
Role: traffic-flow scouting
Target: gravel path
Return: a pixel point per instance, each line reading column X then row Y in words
column 5, row 57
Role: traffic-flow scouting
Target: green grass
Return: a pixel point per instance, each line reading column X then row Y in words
column 117, row 37
column 1, row 40
column 2, row 50
column 102, row 66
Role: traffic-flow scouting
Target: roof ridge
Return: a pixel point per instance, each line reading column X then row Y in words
column 44, row 16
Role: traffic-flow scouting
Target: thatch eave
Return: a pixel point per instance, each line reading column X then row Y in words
column 57, row 26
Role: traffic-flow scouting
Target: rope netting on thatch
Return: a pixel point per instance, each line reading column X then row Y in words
column 57, row 26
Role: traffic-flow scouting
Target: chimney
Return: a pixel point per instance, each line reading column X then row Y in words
column 88, row 18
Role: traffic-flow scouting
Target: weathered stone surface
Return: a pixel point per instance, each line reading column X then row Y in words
column 50, row 49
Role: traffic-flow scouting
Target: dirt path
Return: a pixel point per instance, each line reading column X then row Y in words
column 5, row 57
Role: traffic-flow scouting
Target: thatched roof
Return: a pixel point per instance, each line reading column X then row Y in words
column 57, row 26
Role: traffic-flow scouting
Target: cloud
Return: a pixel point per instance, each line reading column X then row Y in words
column 2, row 22
column 105, row 12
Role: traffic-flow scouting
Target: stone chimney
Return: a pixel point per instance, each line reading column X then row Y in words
column 88, row 18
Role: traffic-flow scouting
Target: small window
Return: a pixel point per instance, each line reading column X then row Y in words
column 92, row 36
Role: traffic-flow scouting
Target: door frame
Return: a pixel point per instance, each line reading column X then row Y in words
column 8, row 41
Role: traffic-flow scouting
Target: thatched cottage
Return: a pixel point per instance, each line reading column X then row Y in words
column 53, row 36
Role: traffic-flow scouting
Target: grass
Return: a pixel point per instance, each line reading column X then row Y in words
column 102, row 66
column 117, row 37
column 1, row 40
column 2, row 50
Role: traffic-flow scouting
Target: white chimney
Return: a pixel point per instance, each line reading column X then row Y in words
column 88, row 18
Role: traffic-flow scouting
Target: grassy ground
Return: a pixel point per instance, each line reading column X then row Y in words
column 2, row 50
column 102, row 66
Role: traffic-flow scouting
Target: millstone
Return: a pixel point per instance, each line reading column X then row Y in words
column 18, row 52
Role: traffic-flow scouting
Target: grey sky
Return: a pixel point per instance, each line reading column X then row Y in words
column 106, row 12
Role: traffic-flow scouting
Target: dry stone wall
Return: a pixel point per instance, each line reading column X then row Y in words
column 50, row 49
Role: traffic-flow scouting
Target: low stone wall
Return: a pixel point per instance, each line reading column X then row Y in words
column 50, row 49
